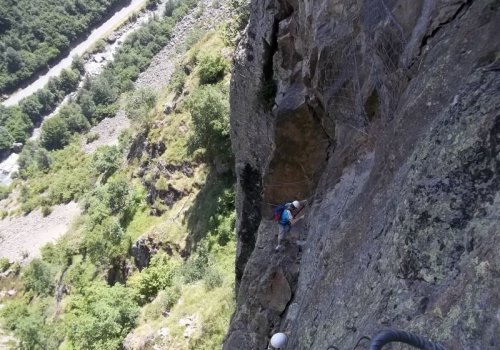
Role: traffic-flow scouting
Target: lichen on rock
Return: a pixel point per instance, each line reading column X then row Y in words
column 386, row 115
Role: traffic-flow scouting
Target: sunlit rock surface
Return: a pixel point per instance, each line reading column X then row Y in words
column 386, row 117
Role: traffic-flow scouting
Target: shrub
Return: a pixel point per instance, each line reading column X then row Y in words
column 139, row 105
column 161, row 184
column 178, row 81
column 16, row 268
column 4, row 192
column 4, row 264
column 49, row 253
column 180, row 11
column 98, row 46
column 46, row 210
column 38, row 277
column 91, row 137
column 163, row 302
column 213, row 278
column 211, row 69
column 194, row 36
column 157, row 276
column 195, row 267
column 236, row 24
column 106, row 160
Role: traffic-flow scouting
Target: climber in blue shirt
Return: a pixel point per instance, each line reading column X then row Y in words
column 286, row 214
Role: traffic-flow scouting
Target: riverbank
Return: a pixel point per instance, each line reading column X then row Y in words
column 93, row 65
column 112, row 23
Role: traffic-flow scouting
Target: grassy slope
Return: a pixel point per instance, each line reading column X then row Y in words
column 186, row 223
column 211, row 309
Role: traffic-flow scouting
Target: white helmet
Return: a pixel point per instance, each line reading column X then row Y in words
column 278, row 340
column 296, row 204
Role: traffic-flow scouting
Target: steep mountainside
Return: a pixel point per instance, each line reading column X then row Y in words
column 386, row 116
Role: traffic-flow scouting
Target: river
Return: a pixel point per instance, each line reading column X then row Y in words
column 117, row 19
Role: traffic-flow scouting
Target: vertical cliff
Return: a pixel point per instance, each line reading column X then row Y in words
column 386, row 115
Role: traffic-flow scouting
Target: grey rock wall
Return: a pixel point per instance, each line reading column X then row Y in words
column 387, row 117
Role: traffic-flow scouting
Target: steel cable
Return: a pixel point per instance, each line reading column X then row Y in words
column 389, row 336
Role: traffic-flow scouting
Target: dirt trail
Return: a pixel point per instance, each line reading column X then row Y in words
column 27, row 234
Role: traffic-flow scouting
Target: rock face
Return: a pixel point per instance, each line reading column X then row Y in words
column 386, row 115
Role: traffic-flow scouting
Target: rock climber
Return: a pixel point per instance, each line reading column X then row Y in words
column 287, row 217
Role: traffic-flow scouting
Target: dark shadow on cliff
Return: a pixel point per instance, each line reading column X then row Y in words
column 213, row 203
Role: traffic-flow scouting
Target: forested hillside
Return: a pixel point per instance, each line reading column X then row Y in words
column 150, row 261
column 33, row 36
column 98, row 98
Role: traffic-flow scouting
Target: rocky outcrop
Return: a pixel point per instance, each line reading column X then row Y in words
column 147, row 245
column 386, row 114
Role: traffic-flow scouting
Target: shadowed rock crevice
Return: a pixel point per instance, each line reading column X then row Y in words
column 251, row 185
column 301, row 152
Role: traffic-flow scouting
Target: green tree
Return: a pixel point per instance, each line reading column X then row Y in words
column 75, row 120
column 6, row 139
column 100, row 318
column 170, row 7
column 32, row 107
column 106, row 160
column 27, row 155
column 103, row 241
column 69, row 80
column 157, row 276
column 55, row 133
column 43, row 159
column 78, row 64
column 117, row 194
column 12, row 59
column 103, row 89
column 38, row 277
column 209, row 108
column 87, row 104
column 18, row 124
column 30, row 326
column 47, row 99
